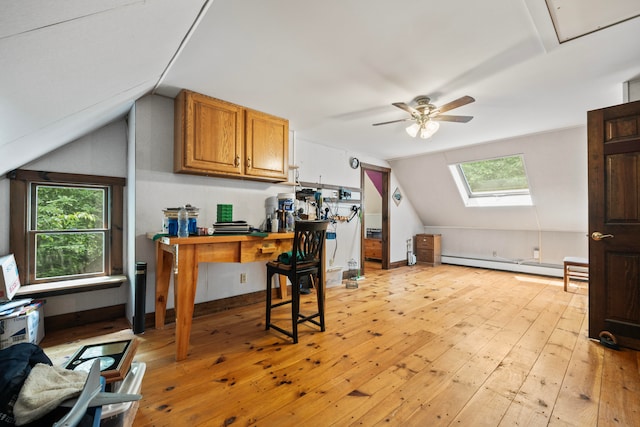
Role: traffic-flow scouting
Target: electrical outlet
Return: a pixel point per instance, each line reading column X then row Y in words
column 536, row 253
column 243, row 277
column 495, row 254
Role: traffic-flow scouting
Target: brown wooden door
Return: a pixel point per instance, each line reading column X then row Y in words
column 614, row 211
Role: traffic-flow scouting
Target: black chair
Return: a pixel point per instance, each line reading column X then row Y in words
column 308, row 244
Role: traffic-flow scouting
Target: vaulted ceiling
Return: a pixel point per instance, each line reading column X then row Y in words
column 332, row 68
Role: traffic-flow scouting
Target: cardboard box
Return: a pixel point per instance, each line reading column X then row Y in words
column 28, row 327
column 9, row 279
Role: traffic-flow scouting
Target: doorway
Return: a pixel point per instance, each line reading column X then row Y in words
column 375, row 230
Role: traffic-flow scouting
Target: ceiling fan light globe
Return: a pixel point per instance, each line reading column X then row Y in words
column 413, row 130
column 429, row 129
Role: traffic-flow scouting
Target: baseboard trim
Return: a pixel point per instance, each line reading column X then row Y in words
column 215, row 306
column 398, row 264
column 523, row 267
column 103, row 314
column 70, row 320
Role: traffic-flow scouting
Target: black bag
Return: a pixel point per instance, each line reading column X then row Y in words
column 15, row 365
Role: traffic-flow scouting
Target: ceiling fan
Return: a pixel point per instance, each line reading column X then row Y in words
column 426, row 115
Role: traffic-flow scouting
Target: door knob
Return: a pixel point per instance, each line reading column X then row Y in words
column 596, row 235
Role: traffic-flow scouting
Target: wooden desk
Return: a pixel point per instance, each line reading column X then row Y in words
column 181, row 256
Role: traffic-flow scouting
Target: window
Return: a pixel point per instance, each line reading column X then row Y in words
column 66, row 229
column 493, row 182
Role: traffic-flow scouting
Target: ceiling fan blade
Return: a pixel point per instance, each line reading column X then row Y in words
column 449, row 118
column 455, row 104
column 406, row 108
column 392, row 121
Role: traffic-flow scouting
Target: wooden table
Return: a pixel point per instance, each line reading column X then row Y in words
column 181, row 256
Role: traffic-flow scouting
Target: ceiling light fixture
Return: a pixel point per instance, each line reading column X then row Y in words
column 413, row 129
column 425, row 128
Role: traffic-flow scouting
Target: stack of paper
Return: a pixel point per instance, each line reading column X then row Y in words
column 231, row 227
column 18, row 307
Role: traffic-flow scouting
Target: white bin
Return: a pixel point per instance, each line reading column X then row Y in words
column 123, row 414
column 334, row 276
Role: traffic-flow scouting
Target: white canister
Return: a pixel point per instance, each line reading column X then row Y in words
column 270, row 205
column 286, row 202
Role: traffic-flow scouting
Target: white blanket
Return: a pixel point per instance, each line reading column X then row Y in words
column 45, row 389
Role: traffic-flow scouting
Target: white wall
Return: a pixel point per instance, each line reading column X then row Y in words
column 157, row 187
column 557, row 225
column 331, row 165
column 556, row 164
column 372, row 204
column 103, row 152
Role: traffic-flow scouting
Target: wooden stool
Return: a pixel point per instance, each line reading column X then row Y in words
column 575, row 268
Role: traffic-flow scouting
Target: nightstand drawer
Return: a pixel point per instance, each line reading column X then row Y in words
column 424, row 243
column 427, row 249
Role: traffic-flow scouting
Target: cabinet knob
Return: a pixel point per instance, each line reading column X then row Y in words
column 248, row 162
column 236, row 163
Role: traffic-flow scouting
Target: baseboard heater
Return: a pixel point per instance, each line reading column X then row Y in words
column 552, row 270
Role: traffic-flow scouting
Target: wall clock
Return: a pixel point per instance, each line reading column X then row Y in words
column 354, row 162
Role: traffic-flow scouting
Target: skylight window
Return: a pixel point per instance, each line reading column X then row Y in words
column 493, row 182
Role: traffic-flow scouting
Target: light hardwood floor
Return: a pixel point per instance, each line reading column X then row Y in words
column 413, row 346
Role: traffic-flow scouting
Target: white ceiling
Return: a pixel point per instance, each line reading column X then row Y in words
column 332, row 68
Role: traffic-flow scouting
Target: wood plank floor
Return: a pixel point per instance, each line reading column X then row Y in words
column 413, row 346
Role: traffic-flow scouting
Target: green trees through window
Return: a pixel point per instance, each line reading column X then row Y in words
column 70, row 225
column 505, row 174
column 492, row 182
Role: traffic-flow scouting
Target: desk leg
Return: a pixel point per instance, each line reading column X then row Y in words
column 163, row 276
column 282, row 290
column 184, row 296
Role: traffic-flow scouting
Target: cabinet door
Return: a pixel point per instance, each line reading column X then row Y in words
column 210, row 137
column 267, row 145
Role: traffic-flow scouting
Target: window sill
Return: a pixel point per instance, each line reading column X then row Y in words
column 66, row 287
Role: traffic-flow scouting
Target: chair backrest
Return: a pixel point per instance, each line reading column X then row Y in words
column 308, row 242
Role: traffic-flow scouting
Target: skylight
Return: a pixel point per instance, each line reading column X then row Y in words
column 493, row 182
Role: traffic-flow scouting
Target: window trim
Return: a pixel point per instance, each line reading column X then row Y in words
column 490, row 198
column 19, row 211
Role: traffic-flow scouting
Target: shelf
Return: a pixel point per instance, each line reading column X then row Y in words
column 336, row 200
column 329, row 186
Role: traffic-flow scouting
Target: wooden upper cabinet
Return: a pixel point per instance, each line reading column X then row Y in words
column 214, row 137
column 208, row 135
column 267, row 145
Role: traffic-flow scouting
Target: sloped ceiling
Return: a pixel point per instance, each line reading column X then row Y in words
column 332, row 68
column 69, row 67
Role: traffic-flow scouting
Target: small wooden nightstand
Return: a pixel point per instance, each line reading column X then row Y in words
column 427, row 247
